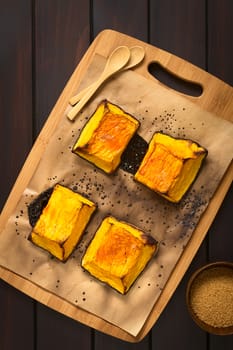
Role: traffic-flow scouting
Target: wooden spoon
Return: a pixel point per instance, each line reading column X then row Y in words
column 117, row 60
column 137, row 54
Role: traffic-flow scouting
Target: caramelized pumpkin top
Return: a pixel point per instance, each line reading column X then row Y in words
column 111, row 136
column 118, row 251
column 170, row 165
column 105, row 136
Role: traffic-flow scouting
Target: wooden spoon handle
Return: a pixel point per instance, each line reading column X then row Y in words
column 90, row 92
column 137, row 55
column 116, row 61
column 76, row 98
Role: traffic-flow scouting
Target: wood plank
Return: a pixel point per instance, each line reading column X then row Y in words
column 220, row 249
column 168, row 19
column 220, row 43
column 179, row 27
column 220, row 57
column 15, row 83
column 217, row 88
column 105, row 342
column 107, row 15
column 56, row 331
column 129, row 17
column 220, row 233
column 17, row 321
column 175, row 325
column 17, row 316
column 61, row 37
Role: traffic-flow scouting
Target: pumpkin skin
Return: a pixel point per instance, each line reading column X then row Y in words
column 105, row 136
column 170, row 165
column 118, row 253
column 62, row 222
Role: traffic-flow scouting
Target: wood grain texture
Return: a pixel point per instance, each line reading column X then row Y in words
column 17, row 319
column 56, row 331
column 219, row 63
column 99, row 46
column 106, row 342
column 168, row 19
column 17, row 310
column 180, row 28
column 129, row 17
column 61, row 34
column 16, row 90
column 220, row 43
column 61, row 37
column 116, row 17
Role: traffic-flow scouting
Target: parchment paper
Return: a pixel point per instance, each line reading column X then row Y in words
column 158, row 109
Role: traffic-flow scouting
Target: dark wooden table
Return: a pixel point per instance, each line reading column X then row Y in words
column 41, row 44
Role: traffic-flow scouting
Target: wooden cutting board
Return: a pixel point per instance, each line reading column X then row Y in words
column 217, row 98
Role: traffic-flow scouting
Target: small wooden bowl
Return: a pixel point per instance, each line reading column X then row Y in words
column 199, row 277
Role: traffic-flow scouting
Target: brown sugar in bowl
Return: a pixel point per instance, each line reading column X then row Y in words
column 209, row 297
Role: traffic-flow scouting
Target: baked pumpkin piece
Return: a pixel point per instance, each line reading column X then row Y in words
column 170, row 165
column 105, row 136
column 118, row 253
column 62, row 222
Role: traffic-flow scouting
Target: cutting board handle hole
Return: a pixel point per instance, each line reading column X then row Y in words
column 173, row 81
